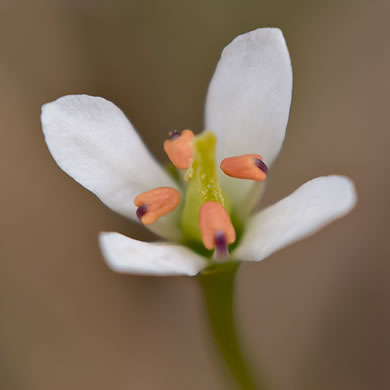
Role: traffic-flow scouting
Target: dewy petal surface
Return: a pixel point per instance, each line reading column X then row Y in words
column 248, row 100
column 126, row 255
column 92, row 141
column 312, row 206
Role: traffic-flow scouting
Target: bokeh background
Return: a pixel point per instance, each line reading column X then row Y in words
column 314, row 315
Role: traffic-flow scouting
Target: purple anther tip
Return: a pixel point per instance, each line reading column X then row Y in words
column 261, row 165
column 141, row 211
column 221, row 248
column 174, row 134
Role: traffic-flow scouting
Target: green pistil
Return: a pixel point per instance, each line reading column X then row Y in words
column 203, row 185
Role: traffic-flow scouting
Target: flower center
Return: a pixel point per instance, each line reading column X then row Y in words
column 206, row 215
column 202, row 185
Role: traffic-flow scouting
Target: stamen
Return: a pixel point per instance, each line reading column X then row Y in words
column 179, row 148
column 221, row 248
column 174, row 134
column 214, row 219
column 261, row 165
column 247, row 166
column 141, row 211
column 156, row 203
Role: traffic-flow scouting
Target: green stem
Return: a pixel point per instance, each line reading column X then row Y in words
column 218, row 288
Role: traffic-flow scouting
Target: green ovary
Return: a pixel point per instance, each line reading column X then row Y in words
column 203, row 185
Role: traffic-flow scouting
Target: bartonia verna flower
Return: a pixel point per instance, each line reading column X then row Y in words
column 205, row 212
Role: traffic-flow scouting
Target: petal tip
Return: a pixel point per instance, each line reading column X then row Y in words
column 57, row 108
column 255, row 38
column 103, row 240
column 348, row 194
column 45, row 113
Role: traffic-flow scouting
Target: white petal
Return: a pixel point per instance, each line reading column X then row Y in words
column 92, row 141
column 123, row 254
column 248, row 100
column 312, row 206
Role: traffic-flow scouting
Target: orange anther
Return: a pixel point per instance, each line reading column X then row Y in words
column 179, row 148
column 247, row 166
column 156, row 203
column 213, row 218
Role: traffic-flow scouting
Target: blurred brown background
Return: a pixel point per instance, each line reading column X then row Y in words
column 315, row 315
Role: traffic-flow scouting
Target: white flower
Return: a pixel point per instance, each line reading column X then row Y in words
column 247, row 107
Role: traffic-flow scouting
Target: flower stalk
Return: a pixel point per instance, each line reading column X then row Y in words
column 218, row 285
